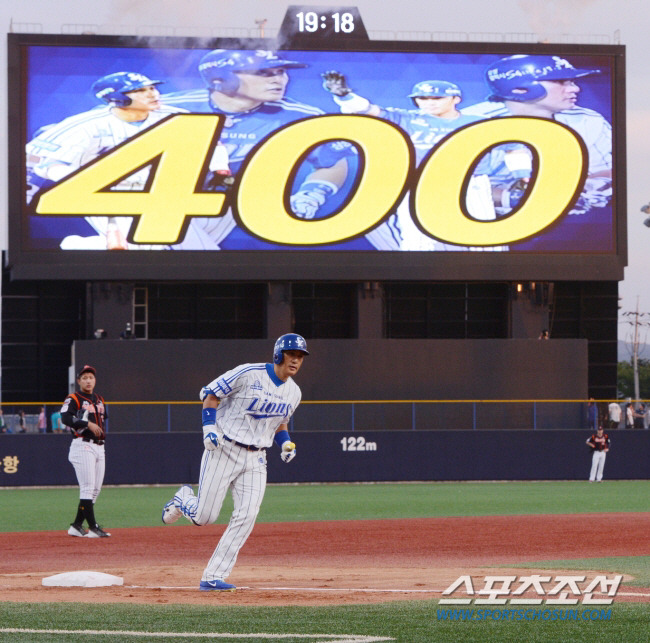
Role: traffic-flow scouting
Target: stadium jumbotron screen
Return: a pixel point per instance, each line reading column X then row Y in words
column 381, row 160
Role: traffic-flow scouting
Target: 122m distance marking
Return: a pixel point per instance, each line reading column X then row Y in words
column 358, row 443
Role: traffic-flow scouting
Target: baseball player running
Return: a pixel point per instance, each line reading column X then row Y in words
column 245, row 410
column 599, row 443
column 85, row 413
column 436, row 115
column 131, row 104
column 249, row 87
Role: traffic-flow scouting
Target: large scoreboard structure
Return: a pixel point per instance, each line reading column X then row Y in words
column 319, row 155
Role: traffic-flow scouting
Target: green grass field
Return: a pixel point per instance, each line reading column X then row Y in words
column 412, row 622
column 141, row 506
column 406, row 622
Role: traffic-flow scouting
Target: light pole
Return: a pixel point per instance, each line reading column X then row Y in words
column 635, row 321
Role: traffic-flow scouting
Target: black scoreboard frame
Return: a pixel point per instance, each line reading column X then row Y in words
column 27, row 261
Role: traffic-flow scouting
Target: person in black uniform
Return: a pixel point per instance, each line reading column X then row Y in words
column 599, row 444
column 85, row 413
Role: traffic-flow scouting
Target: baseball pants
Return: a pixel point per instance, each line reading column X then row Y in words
column 89, row 462
column 597, row 466
column 228, row 467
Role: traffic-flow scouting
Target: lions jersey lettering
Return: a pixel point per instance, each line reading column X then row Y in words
column 263, row 402
column 423, row 129
column 265, row 409
column 399, row 232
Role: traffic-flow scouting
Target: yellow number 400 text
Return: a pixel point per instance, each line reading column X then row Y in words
column 178, row 151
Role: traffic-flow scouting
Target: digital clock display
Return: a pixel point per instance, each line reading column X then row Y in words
column 322, row 23
column 310, row 22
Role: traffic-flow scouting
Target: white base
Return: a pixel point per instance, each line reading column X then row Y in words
column 82, row 579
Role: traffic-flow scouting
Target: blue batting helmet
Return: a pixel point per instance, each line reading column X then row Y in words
column 434, row 88
column 288, row 342
column 112, row 89
column 218, row 67
column 517, row 77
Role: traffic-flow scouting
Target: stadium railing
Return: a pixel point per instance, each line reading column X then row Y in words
column 353, row 415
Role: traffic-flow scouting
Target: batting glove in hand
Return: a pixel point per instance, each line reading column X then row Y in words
column 514, row 194
column 211, row 439
column 335, row 83
column 288, row 452
column 311, row 197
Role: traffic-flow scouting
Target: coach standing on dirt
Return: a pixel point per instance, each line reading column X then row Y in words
column 85, row 413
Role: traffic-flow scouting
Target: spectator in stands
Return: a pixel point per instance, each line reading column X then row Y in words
column 592, row 414
column 42, row 421
column 22, row 425
column 3, row 424
column 57, row 425
column 639, row 416
column 614, row 412
column 629, row 416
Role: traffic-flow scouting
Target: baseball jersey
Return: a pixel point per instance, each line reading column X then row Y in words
column 57, row 150
column 423, row 129
column 73, row 414
column 399, row 232
column 599, row 443
column 253, row 403
column 243, row 130
column 593, row 129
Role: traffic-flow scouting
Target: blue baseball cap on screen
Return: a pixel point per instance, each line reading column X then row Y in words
column 434, row 88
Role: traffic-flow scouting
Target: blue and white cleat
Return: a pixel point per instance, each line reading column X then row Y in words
column 216, row 585
column 172, row 510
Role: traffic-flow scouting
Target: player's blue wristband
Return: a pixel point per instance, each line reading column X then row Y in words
column 209, row 416
column 281, row 437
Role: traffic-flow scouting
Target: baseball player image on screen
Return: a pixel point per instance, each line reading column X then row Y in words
column 245, row 410
column 436, row 115
column 131, row 103
column 599, row 443
column 544, row 87
column 248, row 88
column 84, row 412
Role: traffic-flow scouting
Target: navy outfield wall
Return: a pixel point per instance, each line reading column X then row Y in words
column 335, row 456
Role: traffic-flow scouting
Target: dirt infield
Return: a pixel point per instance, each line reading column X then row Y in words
column 317, row 563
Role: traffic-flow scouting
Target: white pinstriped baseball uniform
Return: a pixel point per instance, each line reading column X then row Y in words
column 253, row 404
column 60, row 149
column 89, row 462
column 86, row 453
column 592, row 127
